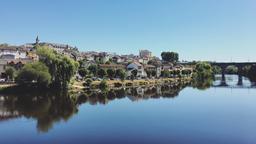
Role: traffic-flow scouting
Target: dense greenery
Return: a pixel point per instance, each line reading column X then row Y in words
column 231, row 70
column 83, row 72
column 61, row 68
column 10, row 73
column 103, row 85
column 34, row 73
column 111, row 73
column 203, row 71
column 121, row 74
column 216, row 70
column 170, row 56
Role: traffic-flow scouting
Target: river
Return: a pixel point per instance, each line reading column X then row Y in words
column 179, row 115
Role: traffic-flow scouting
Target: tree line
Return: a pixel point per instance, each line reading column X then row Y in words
column 53, row 70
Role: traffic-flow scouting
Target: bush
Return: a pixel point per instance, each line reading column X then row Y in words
column 87, row 82
column 37, row 73
column 10, row 73
column 103, row 85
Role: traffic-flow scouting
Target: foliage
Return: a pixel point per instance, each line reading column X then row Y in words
column 36, row 72
column 83, row 72
column 154, row 62
column 216, row 70
column 121, row 74
column 231, row 69
column 111, row 73
column 88, row 82
column 103, row 85
column 102, row 73
column 245, row 70
column 93, row 69
column 186, row 72
column 203, row 70
column 202, row 85
column 10, row 73
column 61, row 68
column 170, row 56
column 165, row 73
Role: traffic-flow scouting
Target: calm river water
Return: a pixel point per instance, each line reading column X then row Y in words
column 179, row 115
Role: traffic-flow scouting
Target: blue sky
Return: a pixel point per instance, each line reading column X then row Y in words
column 220, row 30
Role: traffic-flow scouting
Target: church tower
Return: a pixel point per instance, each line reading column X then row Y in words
column 37, row 40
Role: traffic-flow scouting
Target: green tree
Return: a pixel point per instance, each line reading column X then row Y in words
column 203, row 70
column 88, row 82
column 111, row 73
column 231, row 69
column 10, row 73
column 61, row 67
column 102, row 73
column 120, row 74
column 216, row 70
column 83, row 72
column 37, row 73
column 165, row 73
column 93, row 69
column 103, row 85
column 170, row 56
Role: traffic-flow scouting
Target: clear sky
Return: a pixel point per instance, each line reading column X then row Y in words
column 220, row 30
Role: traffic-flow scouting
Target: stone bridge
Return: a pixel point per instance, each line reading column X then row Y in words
column 239, row 65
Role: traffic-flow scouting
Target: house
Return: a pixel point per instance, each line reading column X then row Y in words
column 118, row 59
column 144, row 60
column 102, row 57
column 141, row 73
column 167, row 67
column 18, row 64
column 3, row 64
column 12, row 52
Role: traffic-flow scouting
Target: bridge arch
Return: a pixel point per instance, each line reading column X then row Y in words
column 224, row 65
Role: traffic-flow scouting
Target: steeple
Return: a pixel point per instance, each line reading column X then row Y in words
column 37, row 40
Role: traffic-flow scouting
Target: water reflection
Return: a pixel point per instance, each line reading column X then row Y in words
column 49, row 109
column 52, row 108
column 232, row 81
column 203, row 84
column 45, row 110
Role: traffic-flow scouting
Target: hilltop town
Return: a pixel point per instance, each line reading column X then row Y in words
column 97, row 65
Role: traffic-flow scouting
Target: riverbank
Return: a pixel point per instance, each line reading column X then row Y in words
column 78, row 86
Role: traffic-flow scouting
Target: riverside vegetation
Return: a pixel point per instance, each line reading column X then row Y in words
column 55, row 71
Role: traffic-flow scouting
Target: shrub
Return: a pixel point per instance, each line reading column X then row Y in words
column 103, row 85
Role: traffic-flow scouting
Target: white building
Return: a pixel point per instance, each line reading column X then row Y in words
column 136, row 66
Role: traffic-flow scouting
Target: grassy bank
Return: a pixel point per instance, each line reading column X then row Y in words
column 132, row 83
